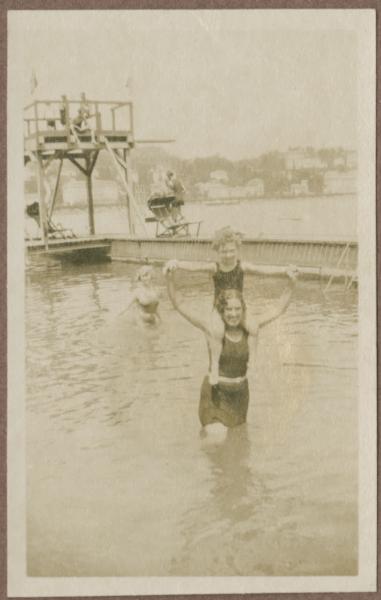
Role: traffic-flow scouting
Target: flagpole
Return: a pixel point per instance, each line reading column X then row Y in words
column 33, row 82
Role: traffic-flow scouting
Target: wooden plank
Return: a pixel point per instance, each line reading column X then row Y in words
column 271, row 252
column 78, row 248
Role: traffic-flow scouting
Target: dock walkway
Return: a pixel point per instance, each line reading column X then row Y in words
column 319, row 257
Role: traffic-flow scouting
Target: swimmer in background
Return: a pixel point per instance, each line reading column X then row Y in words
column 226, row 401
column 144, row 301
column 228, row 273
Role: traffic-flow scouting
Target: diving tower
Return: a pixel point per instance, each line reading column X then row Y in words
column 77, row 131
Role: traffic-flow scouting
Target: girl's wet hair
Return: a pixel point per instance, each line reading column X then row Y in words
column 224, row 297
column 225, row 236
column 142, row 271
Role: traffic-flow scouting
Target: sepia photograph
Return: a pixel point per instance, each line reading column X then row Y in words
column 192, row 302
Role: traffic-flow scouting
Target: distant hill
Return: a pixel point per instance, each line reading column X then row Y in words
column 273, row 168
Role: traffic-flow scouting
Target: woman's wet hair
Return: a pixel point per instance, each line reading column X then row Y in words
column 223, row 298
column 142, row 271
column 224, row 236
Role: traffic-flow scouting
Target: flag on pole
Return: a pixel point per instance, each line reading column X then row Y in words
column 33, row 82
column 129, row 85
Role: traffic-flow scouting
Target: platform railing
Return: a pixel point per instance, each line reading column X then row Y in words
column 101, row 111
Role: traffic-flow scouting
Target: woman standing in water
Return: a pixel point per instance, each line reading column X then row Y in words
column 227, row 401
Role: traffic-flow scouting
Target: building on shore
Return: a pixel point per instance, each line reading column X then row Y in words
column 255, row 187
column 213, row 190
column 298, row 159
column 219, row 175
column 340, row 182
column 217, row 190
column 351, row 159
column 300, row 189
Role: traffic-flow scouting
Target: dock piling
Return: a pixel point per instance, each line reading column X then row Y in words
column 41, row 201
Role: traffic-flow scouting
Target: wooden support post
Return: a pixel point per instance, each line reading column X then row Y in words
column 117, row 160
column 98, row 121
column 56, row 189
column 41, row 201
column 341, row 258
column 36, row 121
column 132, row 121
column 90, row 200
column 131, row 223
column 67, row 119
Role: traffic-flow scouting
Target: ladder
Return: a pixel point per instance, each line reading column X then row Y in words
column 119, row 163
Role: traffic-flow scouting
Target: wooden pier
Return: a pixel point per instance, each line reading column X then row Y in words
column 84, row 249
column 322, row 257
column 78, row 132
column 314, row 258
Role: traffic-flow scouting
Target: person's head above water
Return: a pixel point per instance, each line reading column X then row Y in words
column 226, row 235
column 226, row 242
column 231, row 306
column 144, row 274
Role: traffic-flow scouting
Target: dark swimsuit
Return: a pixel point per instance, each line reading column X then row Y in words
column 228, row 280
column 149, row 308
column 226, row 402
column 148, row 313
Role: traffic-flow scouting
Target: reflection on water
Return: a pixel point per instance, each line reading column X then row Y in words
column 120, row 481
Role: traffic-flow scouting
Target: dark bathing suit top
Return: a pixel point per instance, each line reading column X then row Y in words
column 228, row 280
column 234, row 357
column 151, row 307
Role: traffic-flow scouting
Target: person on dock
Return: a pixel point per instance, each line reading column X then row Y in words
column 50, row 116
column 227, row 400
column 178, row 190
column 144, row 301
column 158, row 186
column 228, row 273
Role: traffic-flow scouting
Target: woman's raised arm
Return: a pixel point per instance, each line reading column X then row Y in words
column 184, row 312
column 284, row 300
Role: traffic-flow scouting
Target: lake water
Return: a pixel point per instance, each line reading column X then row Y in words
column 119, row 481
column 325, row 217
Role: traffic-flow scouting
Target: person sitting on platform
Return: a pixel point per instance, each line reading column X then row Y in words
column 63, row 111
column 177, row 189
column 80, row 123
column 49, row 115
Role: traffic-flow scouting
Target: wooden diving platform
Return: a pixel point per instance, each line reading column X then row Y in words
column 78, row 249
column 77, row 131
column 55, row 141
column 77, row 125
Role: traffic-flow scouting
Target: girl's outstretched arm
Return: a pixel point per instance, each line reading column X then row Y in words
column 251, row 269
column 173, row 265
column 284, row 300
column 184, row 312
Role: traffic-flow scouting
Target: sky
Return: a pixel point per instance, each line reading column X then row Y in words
column 236, row 85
